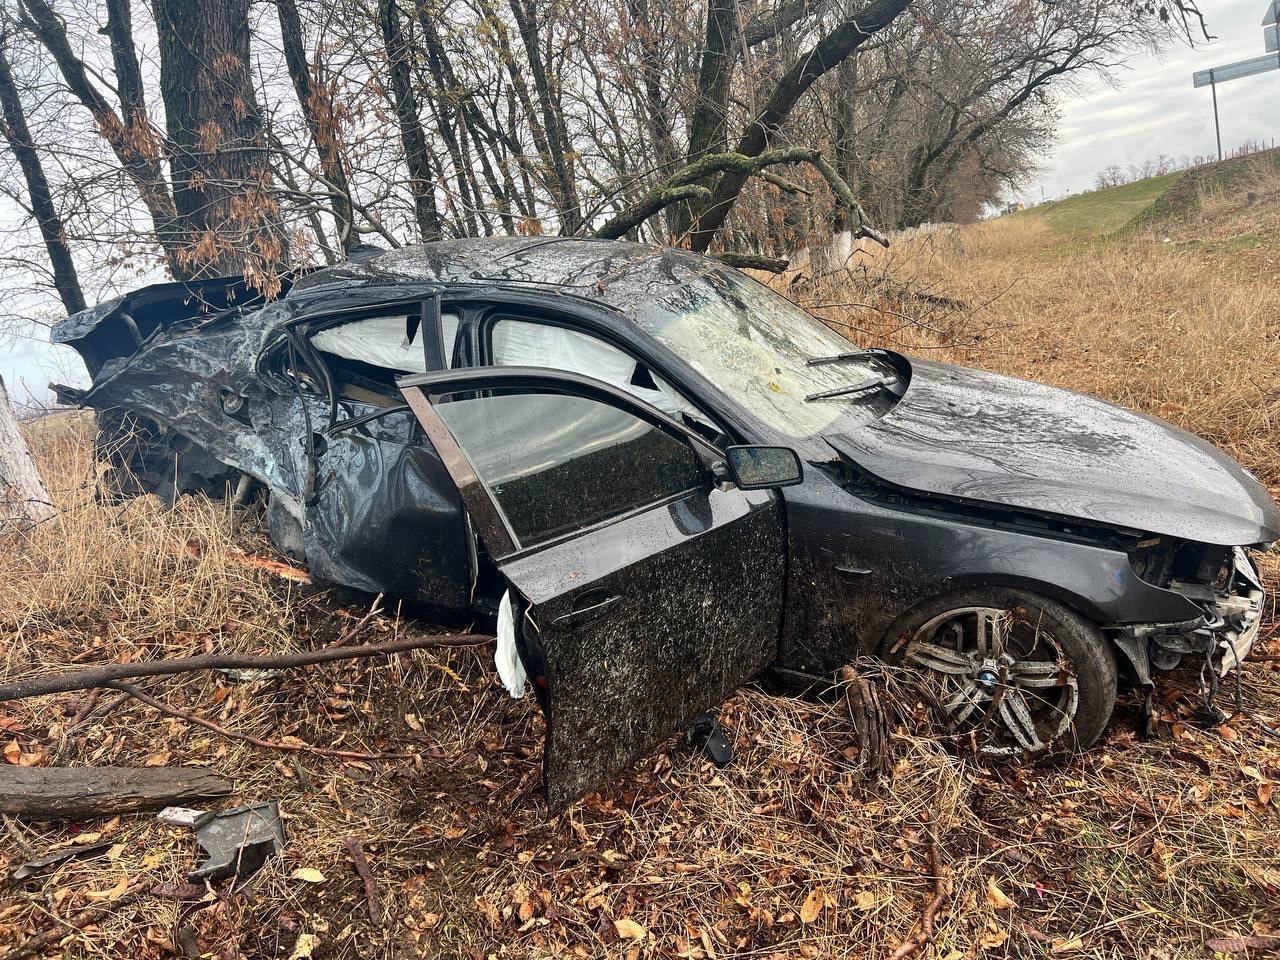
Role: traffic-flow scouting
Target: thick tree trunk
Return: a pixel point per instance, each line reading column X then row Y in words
column 826, row 54
column 74, row 793
column 412, row 136
column 318, row 112
column 24, row 501
column 65, row 279
column 217, row 150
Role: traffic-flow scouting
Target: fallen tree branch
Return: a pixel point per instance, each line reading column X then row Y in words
column 350, row 634
column 38, row 943
column 355, row 850
column 683, row 185
column 222, row 731
column 914, row 944
column 74, row 793
column 106, row 675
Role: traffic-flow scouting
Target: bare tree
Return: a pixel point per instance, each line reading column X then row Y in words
column 23, row 498
column 216, row 145
column 18, row 136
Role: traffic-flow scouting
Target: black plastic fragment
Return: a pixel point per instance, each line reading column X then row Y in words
column 706, row 733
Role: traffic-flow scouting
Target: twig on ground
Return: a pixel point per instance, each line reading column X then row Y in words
column 105, row 675
column 355, row 850
column 348, row 635
column 18, row 838
column 913, row 945
column 94, row 707
column 35, row 945
column 254, row 741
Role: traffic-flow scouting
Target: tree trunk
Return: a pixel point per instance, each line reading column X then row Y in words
column 217, row 151
column 709, row 128
column 318, row 112
column 557, row 154
column 65, row 279
column 24, row 501
column 412, row 136
column 826, row 54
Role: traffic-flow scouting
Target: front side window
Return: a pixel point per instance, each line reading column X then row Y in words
column 528, row 343
column 555, row 463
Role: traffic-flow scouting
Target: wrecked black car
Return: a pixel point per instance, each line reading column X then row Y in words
column 685, row 481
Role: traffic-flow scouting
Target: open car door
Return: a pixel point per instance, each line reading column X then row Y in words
column 653, row 584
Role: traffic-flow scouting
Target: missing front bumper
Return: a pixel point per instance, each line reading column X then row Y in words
column 1225, row 633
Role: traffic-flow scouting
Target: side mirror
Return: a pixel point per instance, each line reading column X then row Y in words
column 763, row 468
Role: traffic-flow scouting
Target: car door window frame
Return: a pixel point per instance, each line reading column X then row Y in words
column 499, row 312
column 293, row 343
column 501, row 541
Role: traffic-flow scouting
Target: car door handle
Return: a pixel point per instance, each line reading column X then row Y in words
column 585, row 609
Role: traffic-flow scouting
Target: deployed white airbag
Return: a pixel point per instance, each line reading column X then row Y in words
column 506, row 656
column 384, row 342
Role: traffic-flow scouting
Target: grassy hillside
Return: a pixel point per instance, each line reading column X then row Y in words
column 1100, row 212
column 1153, row 201
column 1138, row 849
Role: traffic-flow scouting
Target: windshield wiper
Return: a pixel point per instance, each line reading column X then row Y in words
column 841, row 357
column 875, row 383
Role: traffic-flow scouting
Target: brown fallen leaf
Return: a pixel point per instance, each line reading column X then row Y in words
column 996, row 897
column 628, row 929
column 813, row 904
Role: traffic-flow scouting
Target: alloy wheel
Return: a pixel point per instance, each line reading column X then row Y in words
column 1003, row 681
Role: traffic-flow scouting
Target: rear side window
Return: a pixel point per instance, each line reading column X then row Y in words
column 556, row 463
column 392, row 342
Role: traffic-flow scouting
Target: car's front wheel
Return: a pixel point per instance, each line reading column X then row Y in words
column 1015, row 675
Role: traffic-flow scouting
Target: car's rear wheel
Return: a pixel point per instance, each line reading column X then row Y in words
column 1015, row 675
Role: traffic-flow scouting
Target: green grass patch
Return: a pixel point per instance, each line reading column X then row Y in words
column 1100, row 212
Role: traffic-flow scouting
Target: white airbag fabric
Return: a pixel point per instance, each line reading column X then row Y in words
column 506, row 657
column 383, row 342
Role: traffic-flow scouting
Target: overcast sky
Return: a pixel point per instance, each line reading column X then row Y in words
column 1153, row 109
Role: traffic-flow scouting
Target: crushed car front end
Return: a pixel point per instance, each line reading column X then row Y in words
column 1222, row 581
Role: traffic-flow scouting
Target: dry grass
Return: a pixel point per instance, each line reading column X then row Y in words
column 1139, row 849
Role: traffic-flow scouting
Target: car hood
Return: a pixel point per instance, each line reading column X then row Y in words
column 978, row 436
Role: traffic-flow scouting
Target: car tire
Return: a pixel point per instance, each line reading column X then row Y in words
column 1017, row 676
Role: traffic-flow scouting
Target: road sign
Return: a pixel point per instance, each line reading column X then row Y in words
column 1271, row 26
column 1234, row 71
column 1244, row 68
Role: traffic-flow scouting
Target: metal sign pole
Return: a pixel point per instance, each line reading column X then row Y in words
column 1243, row 68
column 1213, row 87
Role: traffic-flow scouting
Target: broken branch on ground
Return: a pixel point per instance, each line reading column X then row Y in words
column 109, row 674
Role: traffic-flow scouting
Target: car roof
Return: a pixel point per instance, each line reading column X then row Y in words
column 614, row 272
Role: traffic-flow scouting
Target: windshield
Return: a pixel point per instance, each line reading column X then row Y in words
column 754, row 345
